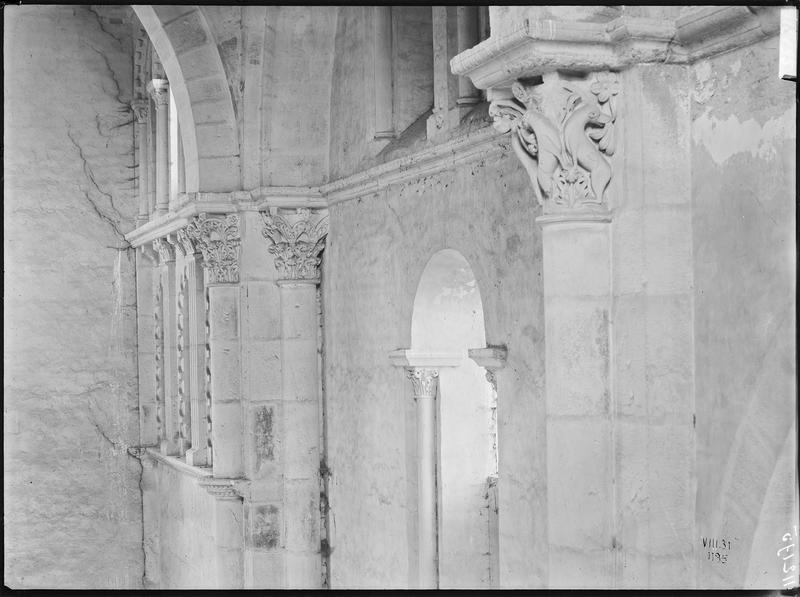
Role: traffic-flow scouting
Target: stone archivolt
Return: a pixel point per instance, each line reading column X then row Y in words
column 565, row 157
column 220, row 242
column 297, row 241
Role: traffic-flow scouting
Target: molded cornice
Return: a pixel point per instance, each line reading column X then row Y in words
column 535, row 47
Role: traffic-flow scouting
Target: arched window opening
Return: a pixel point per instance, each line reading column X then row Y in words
column 448, row 321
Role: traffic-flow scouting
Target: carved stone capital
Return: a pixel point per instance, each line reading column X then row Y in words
column 296, row 241
column 184, row 243
column 425, row 382
column 219, row 241
column 565, row 153
column 165, row 250
column 141, row 111
column 159, row 91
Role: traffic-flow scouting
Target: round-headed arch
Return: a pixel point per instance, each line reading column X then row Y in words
column 185, row 45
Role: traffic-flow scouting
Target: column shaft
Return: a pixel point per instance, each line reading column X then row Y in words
column 428, row 494
column 142, row 125
column 170, row 442
column 197, row 454
column 225, row 368
column 300, row 389
column 580, row 457
column 148, row 427
column 159, row 89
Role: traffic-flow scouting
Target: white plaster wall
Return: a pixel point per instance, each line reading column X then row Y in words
column 72, row 503
column 743, row 135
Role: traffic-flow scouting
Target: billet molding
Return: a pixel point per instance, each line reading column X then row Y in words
column 219, row 240
column 535, row 47
column 565, row 155
column 296, row 240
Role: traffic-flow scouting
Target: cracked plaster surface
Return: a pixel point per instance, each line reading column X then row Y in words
column 70, row 391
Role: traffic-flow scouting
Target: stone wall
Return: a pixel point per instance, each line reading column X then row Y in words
column 743, row 185
column 378, row 246
column 72, row 500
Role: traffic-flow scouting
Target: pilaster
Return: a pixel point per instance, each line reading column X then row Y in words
column 603, row 140
column 219, row 241
column 295, row 238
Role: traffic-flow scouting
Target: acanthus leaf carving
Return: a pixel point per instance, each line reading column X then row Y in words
column 219, row 241
column 296, row 242
column 165, row 250
column 425, row 382
column 567, row 158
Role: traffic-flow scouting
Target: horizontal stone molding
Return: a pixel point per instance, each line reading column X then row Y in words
column 225, row 488
column 535, row 47
column 177, row 464
column 406, row 357
column 485, row 142
column 481, row 144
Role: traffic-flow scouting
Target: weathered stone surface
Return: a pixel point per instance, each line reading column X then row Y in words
column 72, row 499
column 744, row 165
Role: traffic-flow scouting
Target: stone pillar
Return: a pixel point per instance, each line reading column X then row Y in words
column 141, row 113
column 570, row 172
column 170, row 426
column 219, row 240
column 159, row 91
column 296, row 242
column 228, row 532
column 580, row 440
column 194, row 357
column 146, row 259
column 382, row 44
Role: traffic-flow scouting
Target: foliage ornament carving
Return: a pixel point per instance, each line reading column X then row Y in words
column 219, row 241
column 185, row 243
column 297, row 241
column 165, row 250
column 425, row 382
column 567, row 157
column 141, row 111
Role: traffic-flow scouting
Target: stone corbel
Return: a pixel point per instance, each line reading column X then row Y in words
column 219, row 240
column 296, row 240
column 224, row 488
column 563, row 133
column 491, row 358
